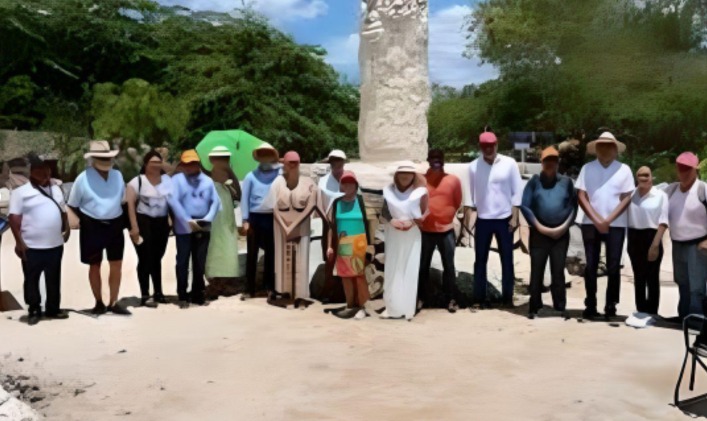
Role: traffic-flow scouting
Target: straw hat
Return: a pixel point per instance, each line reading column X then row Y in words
column 606, row 138
column 100, row 149
column 407, row 167
column 265, row 148
column 220, row 151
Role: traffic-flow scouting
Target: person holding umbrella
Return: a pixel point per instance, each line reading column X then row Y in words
column 257, row 215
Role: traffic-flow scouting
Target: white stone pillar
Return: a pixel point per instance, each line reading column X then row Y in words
column 395, row 92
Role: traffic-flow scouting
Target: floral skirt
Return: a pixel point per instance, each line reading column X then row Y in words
column 351, row 256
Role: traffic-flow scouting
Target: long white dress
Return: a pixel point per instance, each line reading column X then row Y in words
column 402, row 252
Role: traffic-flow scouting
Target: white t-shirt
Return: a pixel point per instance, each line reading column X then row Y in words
column 494, row 189
column 688, row 217
column 329, row 190
column 649, row 211
column 41, row 219
column 152, row 200
column 604, row 186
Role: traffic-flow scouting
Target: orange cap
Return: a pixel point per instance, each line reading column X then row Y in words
column 190, row 156
column 549, row 152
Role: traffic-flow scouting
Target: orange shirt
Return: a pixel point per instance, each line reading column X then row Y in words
column 445, row 199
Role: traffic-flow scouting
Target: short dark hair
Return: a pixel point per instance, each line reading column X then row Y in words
column 435, row 152
column 36, row 162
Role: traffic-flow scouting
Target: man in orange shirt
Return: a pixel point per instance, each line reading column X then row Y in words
column 445, row 199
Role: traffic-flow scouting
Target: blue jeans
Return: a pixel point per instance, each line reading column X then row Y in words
column 690, row 273
column 486, row 229
column 614, row 241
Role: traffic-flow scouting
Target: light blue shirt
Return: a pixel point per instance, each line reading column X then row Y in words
column 256, row 189
column 193, row 198
column 97, row 197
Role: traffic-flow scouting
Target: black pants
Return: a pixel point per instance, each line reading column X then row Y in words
column 614, row 241
column 194, row 245
column 543, row 247
column 47, row 261
column 446, row 243
column 154, row 233
column 646, row 275
column 262, row 236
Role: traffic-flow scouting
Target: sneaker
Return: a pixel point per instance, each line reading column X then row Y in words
column 145, row 302
column 453, row 307
column 59, row 315
column 99, row 308
column 360, row 315
column 384, row 315
column 590, row 313
column 348, row 313
column 119, row 310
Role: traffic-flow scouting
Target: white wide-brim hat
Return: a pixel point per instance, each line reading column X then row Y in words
column 220, row 151
column 336, row 154
column 606, row 138
column 100, row 149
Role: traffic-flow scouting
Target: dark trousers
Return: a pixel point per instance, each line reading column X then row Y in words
column 154, row 233
column 646, row 275
column 543, row 247
column 486, row 229
column 446, row 243
column 261, row 236
column 47, row 261
column 194, row 245
column 614, row 241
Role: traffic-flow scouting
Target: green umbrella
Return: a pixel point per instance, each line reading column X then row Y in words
column 241, row 145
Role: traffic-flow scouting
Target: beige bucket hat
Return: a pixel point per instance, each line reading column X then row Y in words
column 606, row 138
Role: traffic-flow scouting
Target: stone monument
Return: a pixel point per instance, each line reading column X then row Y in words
column 395, row 92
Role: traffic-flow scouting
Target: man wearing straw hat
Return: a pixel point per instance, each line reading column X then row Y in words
column 604, row 192
column 257, row 215
column 496, row 193
column 97, row 197
column 195, row 203
column 549, row 205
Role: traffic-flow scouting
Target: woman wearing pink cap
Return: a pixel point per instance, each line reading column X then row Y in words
column 687, row 216
column 293, row 198
column 348, row 242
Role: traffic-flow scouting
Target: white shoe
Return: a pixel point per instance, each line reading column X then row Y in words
column 384, row 315
column 361, row 315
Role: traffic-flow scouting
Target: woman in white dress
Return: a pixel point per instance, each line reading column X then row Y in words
column 405, row 207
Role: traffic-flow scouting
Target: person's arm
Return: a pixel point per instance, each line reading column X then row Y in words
column 621, row 208
column 586, row 206
column 526, row 206
column 215, row 204
column 245, row 204
column 331, row 233
column 663, row 223
column 131, row 196
column 76, row 194
column 469, row 205
column 516, row 196
column 424, row 208
column 15, row 221
column 180, row 214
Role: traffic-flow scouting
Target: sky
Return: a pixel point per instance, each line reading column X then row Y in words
column 334, row 24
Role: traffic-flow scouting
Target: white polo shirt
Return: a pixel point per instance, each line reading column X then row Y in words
column 41, row 219
column 494, row 189
column 649, row 211
column 688, row 217
column 604, row 186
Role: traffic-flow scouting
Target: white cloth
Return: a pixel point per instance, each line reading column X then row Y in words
column 97, row 197
column 688, row 217
column 41, row 219
column 604, row 186
column 329, row 190
column 402, row 252
column 494, row 189
column 649, row 211
column 152, row 200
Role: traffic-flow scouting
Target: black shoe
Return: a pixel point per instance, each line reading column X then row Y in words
column 160, row 299
column 119, row 310
column 531, row 315
column 508, row 304
column 565, row 315
column 200, row 303
column 99, row 309
column 145, row 302
column 590, row 313
column 59, row 315
column 453, row 307
column 33, row 318
column 183, row 304
column 610, row 312
column 347, row 313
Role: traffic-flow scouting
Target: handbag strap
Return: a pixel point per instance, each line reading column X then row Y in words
column 48, row 196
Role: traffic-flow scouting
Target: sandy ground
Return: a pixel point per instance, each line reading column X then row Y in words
column 237, row 360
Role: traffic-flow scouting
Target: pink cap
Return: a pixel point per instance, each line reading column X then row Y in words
column 688, row 159
column 291, row 156
column 487, row 138
column 348, row 177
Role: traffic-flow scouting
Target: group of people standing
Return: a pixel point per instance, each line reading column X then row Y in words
column 277, row 204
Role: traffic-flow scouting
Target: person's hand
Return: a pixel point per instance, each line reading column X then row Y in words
column 66, row 234
column 246, row 228
column 21, row 250
column 653, row 252
column 330, row 253
column 702, row 247
column 603, row 227
column 194, row 226
column 134, row 234
column 512, row 224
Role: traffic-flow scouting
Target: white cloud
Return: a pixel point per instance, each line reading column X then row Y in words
column 276, row 10
column 446, row 45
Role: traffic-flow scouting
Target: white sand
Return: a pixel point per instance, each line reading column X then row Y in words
column 238, row 360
